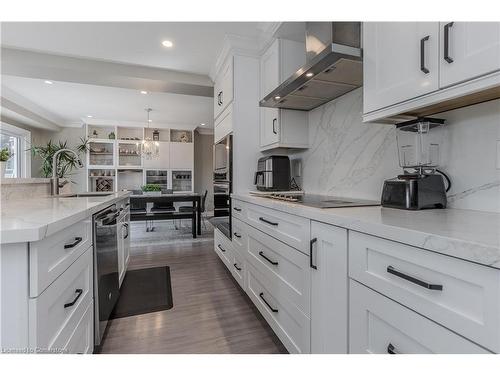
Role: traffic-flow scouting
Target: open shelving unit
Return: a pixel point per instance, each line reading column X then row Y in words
column 114, row 161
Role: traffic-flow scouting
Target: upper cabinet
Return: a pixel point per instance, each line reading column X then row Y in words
column 281, row 128
column 424, row 68
column 400, row 62
column 468, row 50
column 223, row 88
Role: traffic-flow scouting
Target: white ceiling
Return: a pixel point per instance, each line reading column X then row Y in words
column 73, row 102
column 196, row 44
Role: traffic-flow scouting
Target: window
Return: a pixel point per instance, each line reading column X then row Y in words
column 18, row 141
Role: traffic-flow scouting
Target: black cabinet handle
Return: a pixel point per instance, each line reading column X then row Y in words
column 261, row 295
column 266, row 258
column 237, row 209
column 74, row 243
column 236, row 266
column 126, row 226
column 78, row 295
column 311, row 244
column 221, row 97
column 391, row 349
column 220, row 247
column 237, row 235
column 274, row 125
column 422, row 54
column 267, row 221
column 413, row 280
column 447, row 56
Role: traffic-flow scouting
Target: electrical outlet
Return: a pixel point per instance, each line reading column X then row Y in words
column 498, row 154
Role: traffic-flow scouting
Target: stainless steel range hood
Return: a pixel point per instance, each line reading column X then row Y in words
column 334, row 67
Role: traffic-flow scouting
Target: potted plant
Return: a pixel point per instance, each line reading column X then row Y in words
column 112, row 135
column 151, row 189
column 4, row 157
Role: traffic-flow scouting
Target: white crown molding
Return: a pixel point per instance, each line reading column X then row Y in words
column 205, row 131
column 138, row 124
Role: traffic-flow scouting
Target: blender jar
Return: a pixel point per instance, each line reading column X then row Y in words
column 419, row 142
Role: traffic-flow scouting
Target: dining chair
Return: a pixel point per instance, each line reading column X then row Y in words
column 191, row 208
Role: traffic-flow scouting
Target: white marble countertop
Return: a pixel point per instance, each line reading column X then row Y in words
column 34, row 219
column 15, row 181
column 465, row 234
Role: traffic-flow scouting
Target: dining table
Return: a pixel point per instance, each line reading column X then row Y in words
column 195, row 198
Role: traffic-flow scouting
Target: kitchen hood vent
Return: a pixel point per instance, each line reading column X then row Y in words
column 334, row 67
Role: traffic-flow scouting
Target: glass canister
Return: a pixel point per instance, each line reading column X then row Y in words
column 419, row 142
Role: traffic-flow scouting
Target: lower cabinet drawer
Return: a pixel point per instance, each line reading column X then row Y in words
column 223, row 248
column 55, row 314
column 381, row 326
column 287, row 321
column 240, row 236
column 82, row 338
column 51, row 256
column 238, row 269
column 459, row 295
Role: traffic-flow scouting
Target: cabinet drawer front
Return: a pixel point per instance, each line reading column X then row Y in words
column 288, row 322
column 223, row 248
column 51, row 322
column 292, row 230
column 51, row 256
column 238, row 268
column 381, row 326
column 81, row 340
column 224, row 124
column 238, row 210
column 286, row 267
column 469, row 302
column 240, row 236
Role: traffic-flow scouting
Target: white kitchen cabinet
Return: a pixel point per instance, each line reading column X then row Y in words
column 468, row 50
column 400, row 62
column 163, row 159
column 224, row 124
column 281, row 128
column 223, row 88
column 329, row 289
column 181, row 155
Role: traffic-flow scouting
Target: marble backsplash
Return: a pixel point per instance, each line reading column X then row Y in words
column 351, row 159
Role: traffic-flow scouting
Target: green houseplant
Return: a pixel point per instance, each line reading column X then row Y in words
column 151, row 189
column 4, row 157
column 67, row 161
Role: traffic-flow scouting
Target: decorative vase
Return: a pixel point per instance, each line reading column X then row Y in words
column 3, row 166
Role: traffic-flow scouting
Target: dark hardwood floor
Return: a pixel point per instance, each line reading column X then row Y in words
column 211, row 314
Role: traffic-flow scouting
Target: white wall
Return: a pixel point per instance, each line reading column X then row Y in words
column 351, row 159
column 203, row 167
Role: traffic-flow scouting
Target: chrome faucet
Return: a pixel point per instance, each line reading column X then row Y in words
column 55, row 185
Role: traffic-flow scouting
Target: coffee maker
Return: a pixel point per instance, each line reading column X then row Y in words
column 421, row 186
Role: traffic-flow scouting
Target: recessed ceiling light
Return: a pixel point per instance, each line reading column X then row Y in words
column 90, row 116
column 143, row 92
column 150, row 120
column 277, row 97
column 167, row 43
column 49, row 82
column 202, row 124
column 309, row 74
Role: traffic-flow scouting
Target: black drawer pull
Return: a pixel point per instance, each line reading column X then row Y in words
column 391, row 349
column 275, row 120
column 74, row 243
column 220, row 247
column 126, row 226
column 267, row 221
column 236, row 266
column 78, row 295
column 266, row 258
column 237, row 209
column 447, row 56
column 261, row 295
column 422, row 55
column 311, row 263
column 237, row 235
column 414, row 280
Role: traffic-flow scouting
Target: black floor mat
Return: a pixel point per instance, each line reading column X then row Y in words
column 144, row 291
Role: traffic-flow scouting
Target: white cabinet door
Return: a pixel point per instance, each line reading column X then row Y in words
column 223, row 88
column 162, row 161
column 329, row 286
column 468, row 50
column 269, row 126
column 400, row 62
column 181, row 155
column 270, row 69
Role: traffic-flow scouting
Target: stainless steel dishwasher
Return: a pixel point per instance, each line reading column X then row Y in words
column 106, row 287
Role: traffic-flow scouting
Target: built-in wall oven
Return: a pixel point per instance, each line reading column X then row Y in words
column 223, row 158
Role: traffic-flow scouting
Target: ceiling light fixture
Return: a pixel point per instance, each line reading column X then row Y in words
column 90, row 116
column 49, row 82
column 148, row 148
column 202, row 124
column 167, row 43
column 277, row 97
column 309, row 74
column 143, row 92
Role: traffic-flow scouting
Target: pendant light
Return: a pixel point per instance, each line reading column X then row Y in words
column 149, row 149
